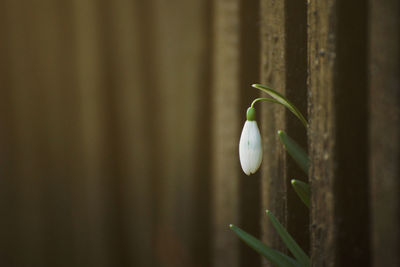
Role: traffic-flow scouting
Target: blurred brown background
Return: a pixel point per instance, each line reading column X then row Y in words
column 104, row 133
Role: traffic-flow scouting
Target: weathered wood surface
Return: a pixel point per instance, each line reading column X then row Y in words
column 283, row 67
column 384, row 139
column 273, row 71
column 296, row 90
column 338, row 144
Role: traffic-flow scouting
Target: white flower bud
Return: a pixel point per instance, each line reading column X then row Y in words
column 250, row 147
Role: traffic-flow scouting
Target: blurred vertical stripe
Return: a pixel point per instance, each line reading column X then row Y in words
column 104, row 132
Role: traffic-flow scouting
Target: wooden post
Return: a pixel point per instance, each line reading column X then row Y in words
column 283, row 67
column 296, row 90
column 273, row 71
column 384, row 131
column 338, row 133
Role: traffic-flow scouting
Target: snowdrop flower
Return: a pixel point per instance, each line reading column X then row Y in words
column 250, row 148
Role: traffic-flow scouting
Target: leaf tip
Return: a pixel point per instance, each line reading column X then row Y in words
column 267, row 211
column 231, row 226
column 257, row 86
column 280, row 132
column 293, row 181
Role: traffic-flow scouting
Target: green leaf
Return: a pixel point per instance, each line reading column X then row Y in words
column 303, row 191
column 275, row 257
column 282, row 100
column 295, row 151
column 297, row 252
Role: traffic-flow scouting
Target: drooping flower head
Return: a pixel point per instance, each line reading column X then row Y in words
column 250, row 147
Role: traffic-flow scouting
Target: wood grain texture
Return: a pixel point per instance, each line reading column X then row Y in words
column 283, row 67
column 384, row 139
column 296, row 90
column 273, row 73
column 338, row 133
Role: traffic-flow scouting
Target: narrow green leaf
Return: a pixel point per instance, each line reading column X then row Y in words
column 303, row 191
column 295, row 151
column 297, row 252
column 275, row 257
column 283, row 100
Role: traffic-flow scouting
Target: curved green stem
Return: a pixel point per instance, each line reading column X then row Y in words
column 265, row 99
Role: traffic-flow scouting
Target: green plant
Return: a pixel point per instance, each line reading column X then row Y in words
column 250, row 154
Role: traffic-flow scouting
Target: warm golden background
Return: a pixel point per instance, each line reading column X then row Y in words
column 105, row 133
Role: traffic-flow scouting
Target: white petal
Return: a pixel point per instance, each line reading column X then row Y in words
column 250, row 148
column 256, row 148
column 243, row 151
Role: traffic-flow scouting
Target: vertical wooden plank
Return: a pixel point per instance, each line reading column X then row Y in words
column 338, row 133
column 249, row 64
column 273, row 73
column 226, row 130
column 321, row 86
column 284, row 58
column 384, row 139
column 296, row 91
